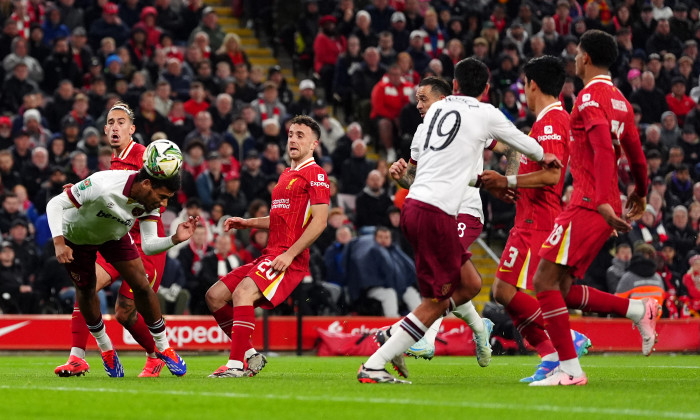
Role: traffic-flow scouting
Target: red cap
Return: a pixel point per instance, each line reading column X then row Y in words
column 231, row 175
column 148, row 10
column 327, row 19
column 110, row 8
column 5, row 121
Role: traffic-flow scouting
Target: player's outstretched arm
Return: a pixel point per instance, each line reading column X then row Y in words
column 502, row 129
column 636, row 202
column 153, row 244
column 403, row 173
column 240, row 223
column 319, row 220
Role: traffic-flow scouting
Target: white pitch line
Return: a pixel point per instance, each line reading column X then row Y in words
column 587, row 365
column 428, row 403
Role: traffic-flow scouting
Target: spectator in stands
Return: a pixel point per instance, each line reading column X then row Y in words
column 52, row 26
column 434, row 41
column 16, row 87
column 61, row 104
column 416, row 50
column 179, row 82
column 78, row 169
column 380, row 13
column 37, row 48
column 25, row 249
column 691, row 149
column 650, row 99
column 363, row 30
column 331, row 129
column 16, row 293
column 239, row 136
column 386, row 49
column 233, row 199
column 11, row 211
column 191, row 255
column 670, row 133
column 21, row 153
column 390, row 95
column 163, row 100
column 203, row 132
column 268, row 105
column 231, row 51
column 148, row 17
column 222, row 112
column 210, row 25
column 197, row 101
column 71, row 16
column 691, row 282
column 620, row 263
column 36, row 133
column 109, row 25
column 36, row 172
column 90, row 145
column 210, row 182
column 217, row 263
column 373, row 202
column 147, row 120
column 382, row 272
column 355, row 169
column 258, row 242
column 679, row 186
column 663, row 41
column 413, row 15
column 171, row 20
column 173, row 296
column 399, row 31
column 647, row 230
column 328, row 46
column 641, row 280
column 51, row 188
column 306, row 101
column 20, row 52
column 681, row 233
column 252, row 179
column 678, row 102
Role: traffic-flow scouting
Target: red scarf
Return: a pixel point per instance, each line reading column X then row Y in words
column 236, row 58
column 263, row 112
column 428, row 45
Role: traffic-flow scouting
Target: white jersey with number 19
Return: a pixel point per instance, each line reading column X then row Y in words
column 457, row 129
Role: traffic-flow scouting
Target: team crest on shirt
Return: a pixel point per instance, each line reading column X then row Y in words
column 548, row 129
column 75, row 276
column 136, row 211
column 289, row 186
column 446, row 289
column 321, row 177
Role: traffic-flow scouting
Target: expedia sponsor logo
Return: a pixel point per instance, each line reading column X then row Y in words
column 320, row 184
column 587, row 104
column 280, row 203
column 549, row 137
column 182, row 335
column 106, row 215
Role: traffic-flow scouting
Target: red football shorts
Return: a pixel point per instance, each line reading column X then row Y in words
column 276, row 287
column 82, row 268
column 577, row 237
column 521, row 257
column 439, row 253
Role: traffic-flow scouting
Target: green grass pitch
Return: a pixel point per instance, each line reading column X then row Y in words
column 620, row 387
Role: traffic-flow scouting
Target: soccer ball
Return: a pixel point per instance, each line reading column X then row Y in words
column 162, row 159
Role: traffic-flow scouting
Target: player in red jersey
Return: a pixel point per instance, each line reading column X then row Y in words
column 297, row 217
column 127, row 155
column 602, row 123
column 538, row 205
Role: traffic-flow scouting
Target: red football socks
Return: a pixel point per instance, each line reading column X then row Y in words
column 224, row 317
column 79, row 329
column 589, row 299
column 527, row 318
column 242, row 331
column 142, row 334
column 556, row 320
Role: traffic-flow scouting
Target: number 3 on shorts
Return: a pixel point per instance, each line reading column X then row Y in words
column 555, row 236
column 512, row 256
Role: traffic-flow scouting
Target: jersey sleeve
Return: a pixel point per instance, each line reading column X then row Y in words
column 553, row 145
column 84, row 191
column 152, row 216
column 418, row 137
column 503, row 129
column 591, row 110
column 319, row 187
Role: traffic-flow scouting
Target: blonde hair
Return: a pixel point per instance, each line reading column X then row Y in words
column 224, row 44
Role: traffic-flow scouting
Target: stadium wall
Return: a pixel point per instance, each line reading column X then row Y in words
column 334, row 335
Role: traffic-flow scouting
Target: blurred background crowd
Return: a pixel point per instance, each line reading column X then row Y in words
column 65, row 63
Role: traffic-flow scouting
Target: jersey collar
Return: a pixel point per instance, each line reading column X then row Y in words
column 304, row 164
column 556, row 105
column 126, row 151
column 129, row 184
column 600, row 79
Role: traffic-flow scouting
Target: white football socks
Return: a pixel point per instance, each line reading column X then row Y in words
column 77, row 352
column 410, row 331
column 467, row 313
column 636, row 310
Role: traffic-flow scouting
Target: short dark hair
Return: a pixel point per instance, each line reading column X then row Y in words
column 437, row 85
column 309, row 122
column 381, row 228
column 472, row 76
column 171, row 184
column 600, row 46
column 548, row 72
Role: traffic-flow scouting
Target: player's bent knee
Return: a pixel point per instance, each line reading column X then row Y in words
column 246, row 294
column 217, row 296
column 125, row 311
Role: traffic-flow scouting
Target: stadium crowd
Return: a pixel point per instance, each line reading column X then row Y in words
column 65, row 64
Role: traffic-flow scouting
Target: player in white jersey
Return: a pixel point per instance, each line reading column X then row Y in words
column 96, row 215
column 431, row 90
column 458, row 129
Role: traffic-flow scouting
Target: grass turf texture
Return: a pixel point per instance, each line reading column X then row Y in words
column 620, row 386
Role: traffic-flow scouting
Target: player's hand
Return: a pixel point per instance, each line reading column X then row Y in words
column 185, row 230
column 398, row 169
column 67, row 186
column 64, row 254
column 550, row 160
column 235, row 223
column 282, row 262
column 636, row 206
column 492, row 180
column 612, row 219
